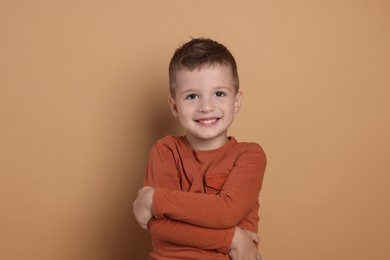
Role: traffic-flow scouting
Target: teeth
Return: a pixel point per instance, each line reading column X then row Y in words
column 208, row 121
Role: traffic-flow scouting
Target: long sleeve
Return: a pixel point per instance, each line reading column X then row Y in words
column 184, row 234
column 237, row 197
column 162, row 172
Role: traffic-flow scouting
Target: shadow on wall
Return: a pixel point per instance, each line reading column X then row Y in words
column 159, row 123
column 146, row 119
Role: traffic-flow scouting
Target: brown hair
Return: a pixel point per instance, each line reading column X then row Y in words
column 196, row 54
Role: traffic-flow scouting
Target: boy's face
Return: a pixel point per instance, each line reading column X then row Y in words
column 205, row 102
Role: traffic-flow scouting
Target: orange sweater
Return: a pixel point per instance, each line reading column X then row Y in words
column 201, row 196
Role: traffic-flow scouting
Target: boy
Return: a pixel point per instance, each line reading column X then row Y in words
column 200, row 199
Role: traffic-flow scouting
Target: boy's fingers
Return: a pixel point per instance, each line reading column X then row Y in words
column 253, row 236
column 141, row 190
column 144, row 226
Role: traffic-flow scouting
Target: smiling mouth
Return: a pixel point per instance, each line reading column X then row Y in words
column 207, row 121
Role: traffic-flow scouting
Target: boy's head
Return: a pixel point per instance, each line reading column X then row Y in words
column 199, row 53
column 204, row 92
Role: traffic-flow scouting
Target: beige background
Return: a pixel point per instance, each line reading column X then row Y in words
column 83, row 96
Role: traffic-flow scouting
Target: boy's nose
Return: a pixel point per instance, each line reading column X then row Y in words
column 206, row 106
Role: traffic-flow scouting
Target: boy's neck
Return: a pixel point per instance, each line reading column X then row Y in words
column 199, row 144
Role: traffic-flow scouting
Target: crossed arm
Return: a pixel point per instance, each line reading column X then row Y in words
column 243, row 245
column 217, row 219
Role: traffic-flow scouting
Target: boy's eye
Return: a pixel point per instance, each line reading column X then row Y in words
column 192, row 96
column 220, row 94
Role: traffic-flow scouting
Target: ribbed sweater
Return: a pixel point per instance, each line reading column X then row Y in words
column 201, row 196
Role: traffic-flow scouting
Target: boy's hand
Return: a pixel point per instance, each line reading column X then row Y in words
column 244, row 245
column 142, row 206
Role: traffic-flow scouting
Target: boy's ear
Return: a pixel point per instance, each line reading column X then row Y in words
column 237, row 101
column 173, row 106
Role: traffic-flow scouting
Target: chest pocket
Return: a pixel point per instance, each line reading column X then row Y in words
column 214, row 183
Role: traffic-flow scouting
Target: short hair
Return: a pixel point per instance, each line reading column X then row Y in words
column 198, row 53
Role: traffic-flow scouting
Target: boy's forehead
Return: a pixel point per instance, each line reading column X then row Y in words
column 209, row 75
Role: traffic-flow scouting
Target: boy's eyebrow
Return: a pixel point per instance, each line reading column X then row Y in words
column 188, row 90
column 196, row 90
column 222, row 87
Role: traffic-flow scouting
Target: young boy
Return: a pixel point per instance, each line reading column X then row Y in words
column 200, row 199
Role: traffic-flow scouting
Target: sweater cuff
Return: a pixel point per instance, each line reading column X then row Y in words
column 157, row 203
column 228, row 241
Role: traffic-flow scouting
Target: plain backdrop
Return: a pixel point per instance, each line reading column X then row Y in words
column 83, row 96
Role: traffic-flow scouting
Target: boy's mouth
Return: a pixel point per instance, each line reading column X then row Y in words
column 207, row 121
